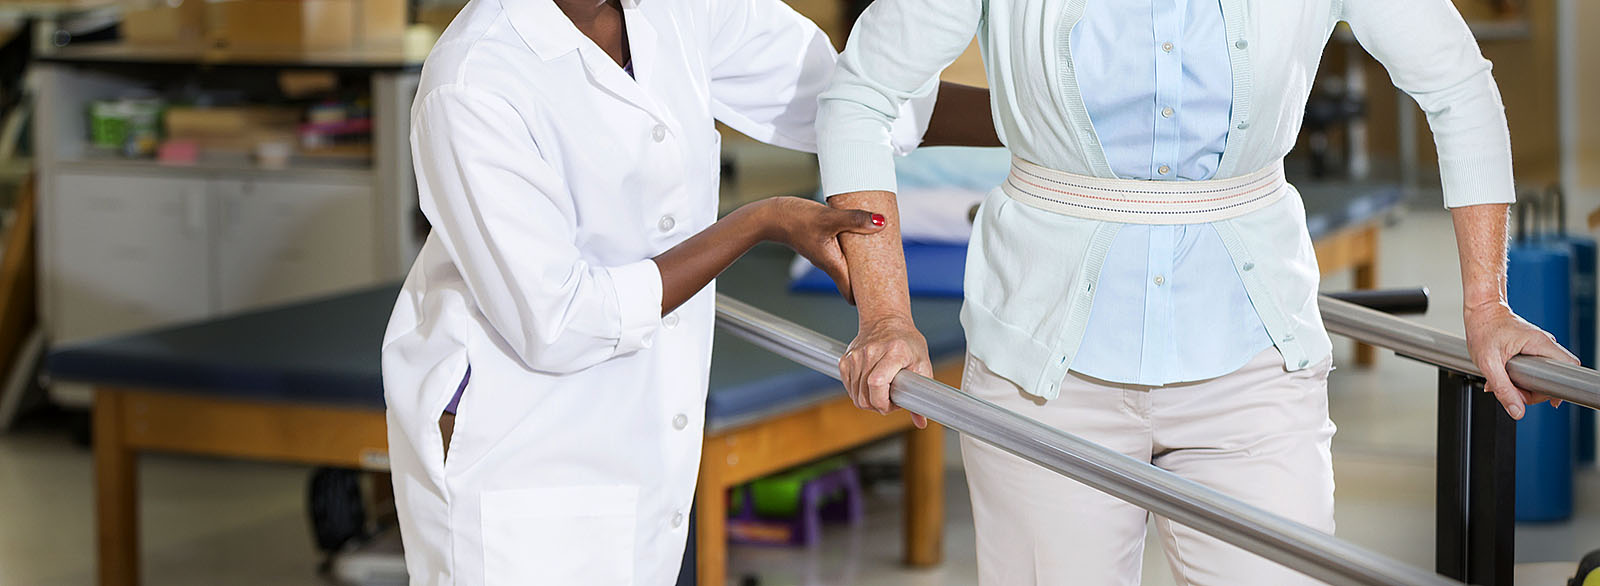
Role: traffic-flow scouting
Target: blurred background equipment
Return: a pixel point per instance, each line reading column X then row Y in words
column 221, row 203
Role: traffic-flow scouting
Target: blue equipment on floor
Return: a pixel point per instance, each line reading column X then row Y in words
column 1540, row 289
column 1584, row 252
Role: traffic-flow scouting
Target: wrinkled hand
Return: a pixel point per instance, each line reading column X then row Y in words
column 1494, row 336
column 812, row 229
column 880, row 351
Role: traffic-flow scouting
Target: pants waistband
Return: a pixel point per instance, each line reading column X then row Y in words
column 1132, row 201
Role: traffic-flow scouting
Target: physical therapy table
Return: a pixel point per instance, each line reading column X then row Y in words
column 301, row 384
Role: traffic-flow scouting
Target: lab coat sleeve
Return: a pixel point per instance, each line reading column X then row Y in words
column 768, row 65
column 896, row 52
column 505, row 217
column 1431, row 55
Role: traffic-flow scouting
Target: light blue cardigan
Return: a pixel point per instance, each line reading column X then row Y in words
column 1031, row 274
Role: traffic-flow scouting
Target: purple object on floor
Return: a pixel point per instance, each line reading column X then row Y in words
column 815, row 507
column 460, row 390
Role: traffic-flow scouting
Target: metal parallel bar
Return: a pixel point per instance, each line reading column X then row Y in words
column 1391, row 301
column 1562, row 381
column 1295, row 545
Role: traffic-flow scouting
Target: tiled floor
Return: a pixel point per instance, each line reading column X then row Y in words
column 211, row 522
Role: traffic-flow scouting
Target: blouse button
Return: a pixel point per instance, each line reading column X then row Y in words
column 680, row 421
column 659, row 133
column 1164, row 169
column 666, row 223
column 671, row 321
column 1166, row 47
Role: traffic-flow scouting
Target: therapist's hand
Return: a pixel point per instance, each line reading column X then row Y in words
column 883, row 348
column 1494, row 336
column 812, row 229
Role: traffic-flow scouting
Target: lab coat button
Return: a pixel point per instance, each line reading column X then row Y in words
column 659, row 133
column 671, row 321
column 677, row 520
column 666, row 223
column 680, row 421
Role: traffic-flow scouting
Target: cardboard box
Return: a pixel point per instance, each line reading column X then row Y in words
column 164, row 22
column 305, row 24
column 380, row 21
column 235, row 128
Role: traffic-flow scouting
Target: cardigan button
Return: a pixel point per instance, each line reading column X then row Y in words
column 1248, row 266
column 1241, row 44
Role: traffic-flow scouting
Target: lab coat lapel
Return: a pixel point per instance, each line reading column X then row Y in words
column 551, row 34
column 642, row 48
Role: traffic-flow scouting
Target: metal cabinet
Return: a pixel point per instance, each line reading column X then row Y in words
column 129, row 252
column 279, row 241
column 134, row 251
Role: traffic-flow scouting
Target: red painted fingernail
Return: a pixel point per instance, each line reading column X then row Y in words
column 877, row 220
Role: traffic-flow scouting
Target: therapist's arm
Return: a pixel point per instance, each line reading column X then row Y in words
column 810, row 228
column 961, row 117
column 1431, row 55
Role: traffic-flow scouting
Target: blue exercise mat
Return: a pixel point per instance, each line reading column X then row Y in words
column 932, row 270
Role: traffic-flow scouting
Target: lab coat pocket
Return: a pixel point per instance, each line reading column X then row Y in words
column 559, row 535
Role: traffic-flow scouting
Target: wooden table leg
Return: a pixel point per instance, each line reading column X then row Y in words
column 711, row 519
column 116, row 494
column 1367, row 278
column 924, row 480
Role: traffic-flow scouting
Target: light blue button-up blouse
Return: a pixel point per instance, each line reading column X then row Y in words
column 1157, row 83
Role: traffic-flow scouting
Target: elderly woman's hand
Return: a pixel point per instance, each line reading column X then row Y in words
column 882, row 348
column 1494, row 336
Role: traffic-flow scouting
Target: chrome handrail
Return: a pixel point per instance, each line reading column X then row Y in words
column 1570, row 383
column 1292, row 544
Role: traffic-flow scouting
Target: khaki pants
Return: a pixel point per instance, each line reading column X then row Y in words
column 1260, row 434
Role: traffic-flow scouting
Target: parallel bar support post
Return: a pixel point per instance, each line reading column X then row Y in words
column 924, row 506
column 1475, row 539
column 1491, row 512
column 1454, row 465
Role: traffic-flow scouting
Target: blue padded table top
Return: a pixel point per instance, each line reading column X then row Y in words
column 325, row 351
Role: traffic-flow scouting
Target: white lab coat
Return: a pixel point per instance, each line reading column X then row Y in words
column 551, row 178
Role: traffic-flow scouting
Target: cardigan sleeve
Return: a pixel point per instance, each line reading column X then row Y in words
column 1432, row 56
column 896, row 51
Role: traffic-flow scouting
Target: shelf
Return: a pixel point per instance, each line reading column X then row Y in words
column 299, row 167
column 406, row 55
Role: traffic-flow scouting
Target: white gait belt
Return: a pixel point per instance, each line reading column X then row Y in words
column 1131, row 201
